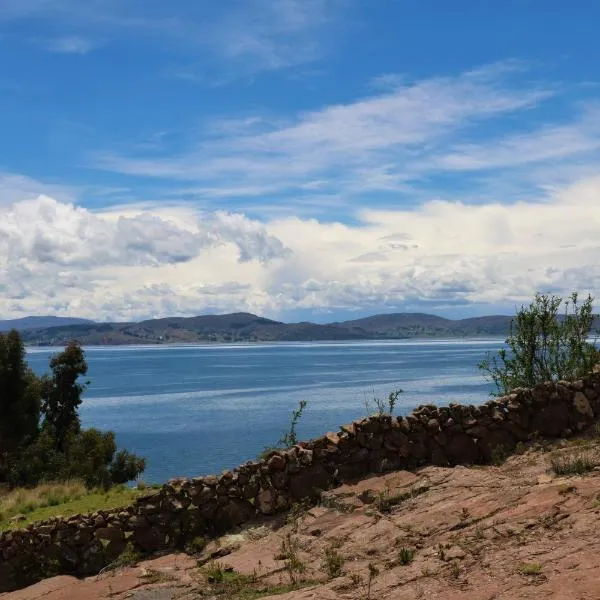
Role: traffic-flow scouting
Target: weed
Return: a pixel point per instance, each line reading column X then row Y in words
column 465, row 514
column 405, row 556
column 530, row 568
column 289, row 554
column 130, row 556
column 289, row 439
column 196, row 545
column 573, row 463
column 334, row 503
column 563, row 490
column 499, row 455
column 454, row 570
column 373, row 572
column 154, row 576
column 384, row 407
column 333, row 563
column 215, row 572
column 386, row 501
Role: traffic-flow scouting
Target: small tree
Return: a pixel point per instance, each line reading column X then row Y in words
column 62, row 393
column 545, row 344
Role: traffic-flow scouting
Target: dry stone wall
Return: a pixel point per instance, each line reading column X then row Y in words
column 205, row 506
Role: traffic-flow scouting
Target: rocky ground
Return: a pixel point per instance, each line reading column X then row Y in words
column 517, row 530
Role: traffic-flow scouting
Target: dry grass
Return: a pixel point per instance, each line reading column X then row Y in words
column 574, row 462
column 58, row 498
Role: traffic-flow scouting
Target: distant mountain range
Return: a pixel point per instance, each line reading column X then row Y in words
column 245, row 327
column 40, row 323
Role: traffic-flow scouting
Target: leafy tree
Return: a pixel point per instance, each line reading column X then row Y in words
column 62, row 393
column 545, row 344
column 19, row 398
column 126, row 467
column 60, row 449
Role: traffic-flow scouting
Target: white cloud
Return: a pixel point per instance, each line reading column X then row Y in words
column 131, row 263
column 68, row 45
column 245, row 37
column 44, row 231
column 14, row 188
column 382, row 142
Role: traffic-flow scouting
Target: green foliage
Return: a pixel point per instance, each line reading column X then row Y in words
column 530, row 569
column 545, row 344
column 126, row 467
column 333, row 563
column 58, row 449
column 62, row 393
column 19, row 399
column 405, row 556
column 383, row 407
column 289, row 438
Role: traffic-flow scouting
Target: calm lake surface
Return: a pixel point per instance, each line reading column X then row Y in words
column 194, row 410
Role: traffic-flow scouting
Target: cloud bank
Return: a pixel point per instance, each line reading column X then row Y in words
column 131, row 264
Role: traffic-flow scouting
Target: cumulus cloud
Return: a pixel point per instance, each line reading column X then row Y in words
column 131, row 263
column 45, row 231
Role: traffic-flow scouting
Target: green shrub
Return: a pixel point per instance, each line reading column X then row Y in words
column 405, row 556
column 545, row 344
column 333, row 562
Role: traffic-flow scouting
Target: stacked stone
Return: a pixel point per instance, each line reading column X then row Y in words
column 185, row 508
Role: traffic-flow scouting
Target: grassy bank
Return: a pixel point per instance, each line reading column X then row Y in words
column 61, row 498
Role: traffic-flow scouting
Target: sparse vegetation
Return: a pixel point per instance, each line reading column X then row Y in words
column 406, row 556
column 386, row 501
column 383, row 407
column 545, row 344
column 130, row 556
column 530, row 569
column 196, row 545
column 574, row 462
column 289, row 553
column 289, row 438
column 373, row 572
column 333, row 562
column 155, row 576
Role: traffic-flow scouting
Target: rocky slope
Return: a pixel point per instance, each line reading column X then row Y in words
column 479, row 533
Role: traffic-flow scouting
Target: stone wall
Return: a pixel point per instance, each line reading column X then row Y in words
column 206, row 506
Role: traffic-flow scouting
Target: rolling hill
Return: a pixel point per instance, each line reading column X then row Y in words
column 246, row 327
column 40, row 323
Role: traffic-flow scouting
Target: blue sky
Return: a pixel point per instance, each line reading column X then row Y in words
column 297, row 158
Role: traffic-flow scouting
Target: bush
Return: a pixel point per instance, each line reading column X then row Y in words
column 126, row 467
column 545, row 345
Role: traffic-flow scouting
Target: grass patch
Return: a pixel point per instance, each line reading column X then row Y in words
column 574, row 463
column 530, row 569
column 228, row 584
column 62, row 498
column 405, row 556
column 385, row 501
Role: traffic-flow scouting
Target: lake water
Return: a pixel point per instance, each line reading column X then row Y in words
column 196, row 409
